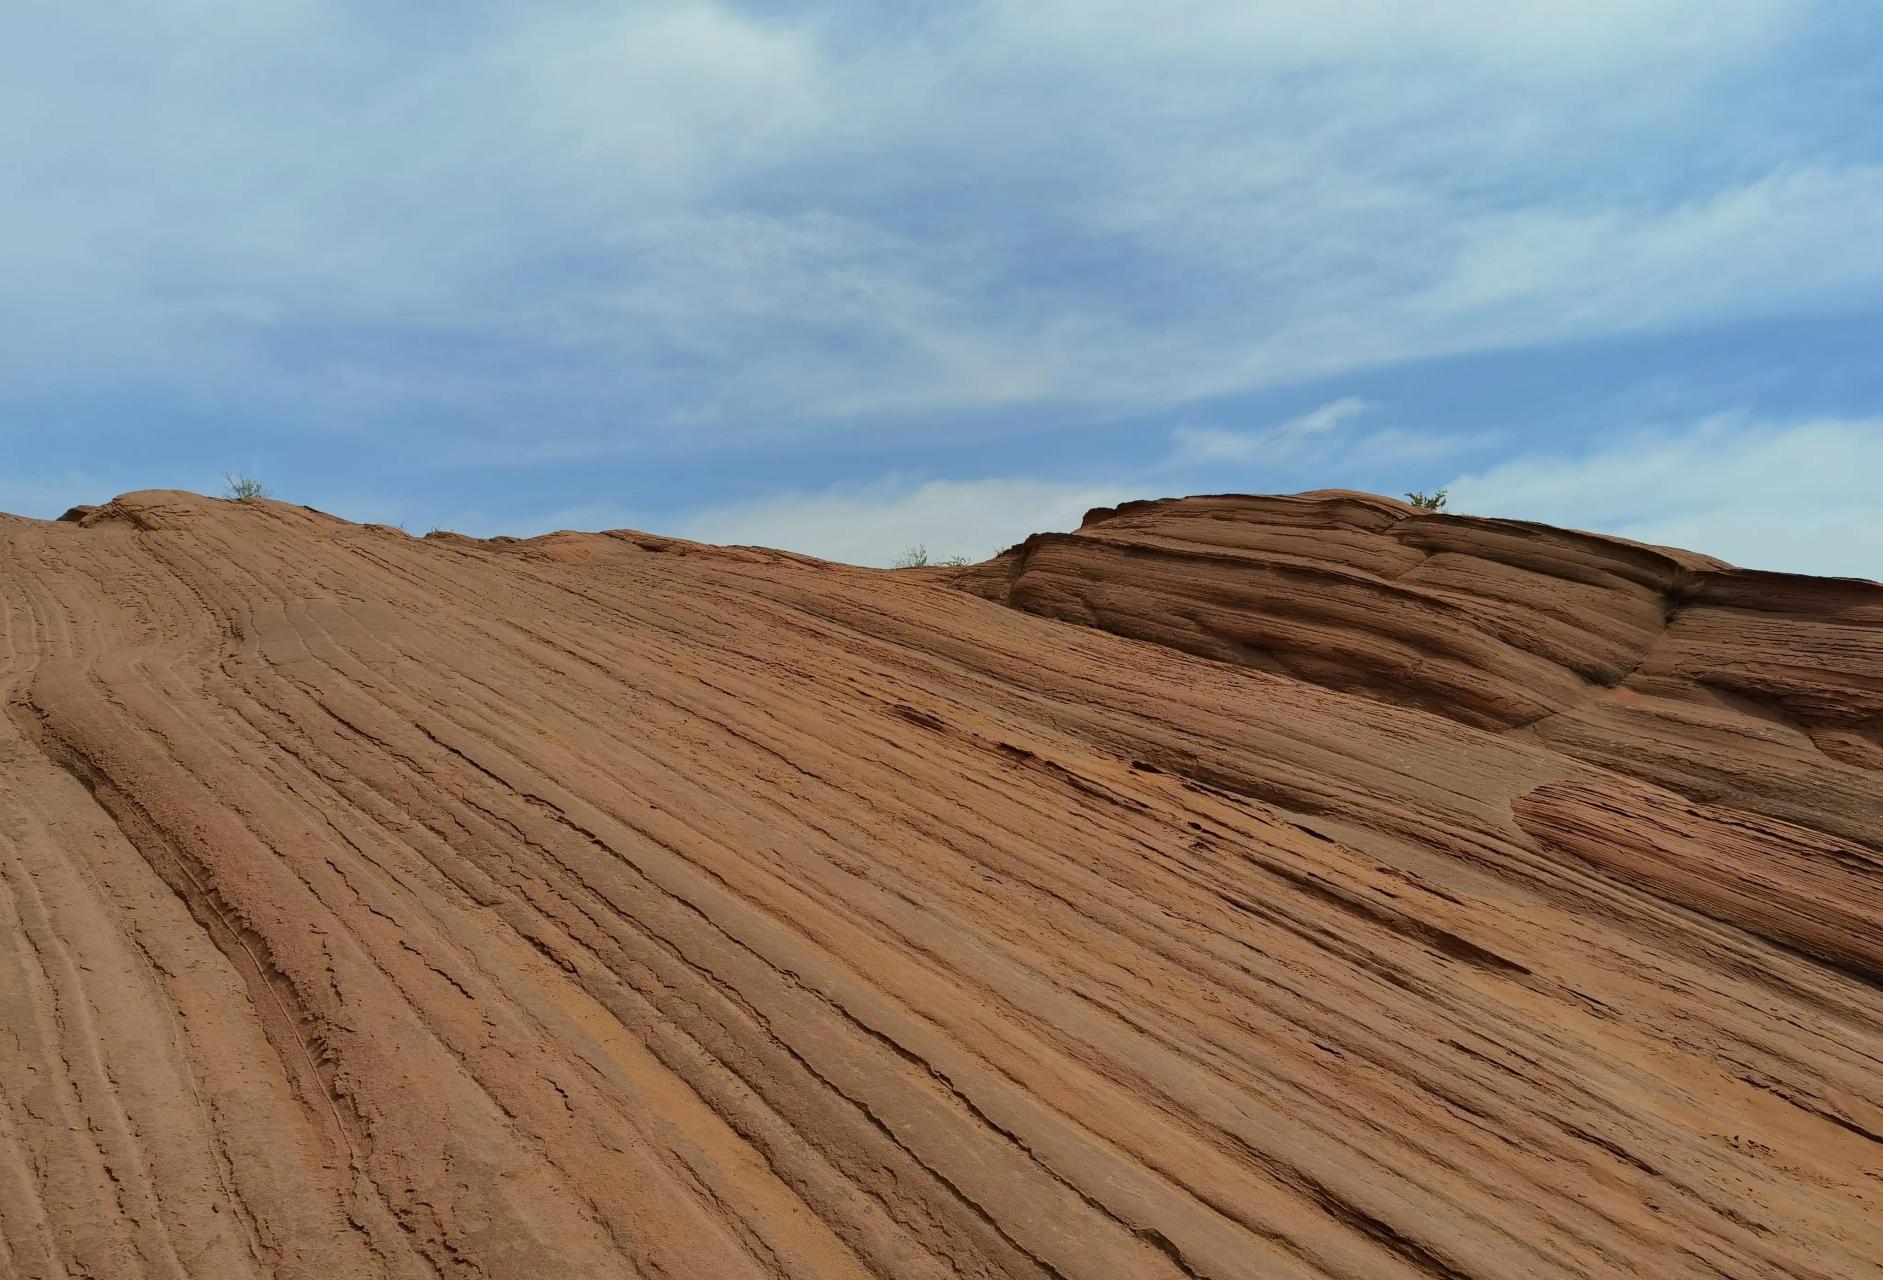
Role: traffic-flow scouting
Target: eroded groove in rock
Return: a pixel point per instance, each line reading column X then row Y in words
column 607, row 905
column 1794, row 886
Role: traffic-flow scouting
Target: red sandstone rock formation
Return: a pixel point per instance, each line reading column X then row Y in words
column 1354, row 893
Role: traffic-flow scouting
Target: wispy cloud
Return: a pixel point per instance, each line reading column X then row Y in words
column 1213, row 444
column 874, row 523
column 1319, row 438
column 728, row 221
column 1792, row 496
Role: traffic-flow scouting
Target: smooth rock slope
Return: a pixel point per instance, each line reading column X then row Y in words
column 1352, row 893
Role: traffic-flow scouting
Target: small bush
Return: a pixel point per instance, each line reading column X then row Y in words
column 917, row 557
column 243, row 487
column 1428, row 501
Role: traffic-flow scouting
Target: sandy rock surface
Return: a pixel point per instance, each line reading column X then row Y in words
column 1238, row 887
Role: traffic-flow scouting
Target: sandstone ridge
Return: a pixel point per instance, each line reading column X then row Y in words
column 1236, row 887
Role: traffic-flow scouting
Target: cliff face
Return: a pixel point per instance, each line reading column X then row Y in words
column 1353, row 893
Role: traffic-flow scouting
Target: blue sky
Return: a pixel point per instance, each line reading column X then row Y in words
column 843, row 277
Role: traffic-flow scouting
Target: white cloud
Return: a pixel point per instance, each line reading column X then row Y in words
column 873, row 524
column 746, row 222
column 1406, row 444
column 1212, row 444
column 187, row 175
column 1316, row 439
column 666, row 95
column 1778, row 238
column 1803, row 497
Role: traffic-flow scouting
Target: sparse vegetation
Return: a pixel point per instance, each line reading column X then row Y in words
column 1434, row 501
column 917, row 557
column 242, row 486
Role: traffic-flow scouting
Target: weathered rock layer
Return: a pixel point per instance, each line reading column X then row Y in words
column 1356, row 893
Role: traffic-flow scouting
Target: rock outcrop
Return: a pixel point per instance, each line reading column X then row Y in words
column 1353, row 893
column 1712, row 681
